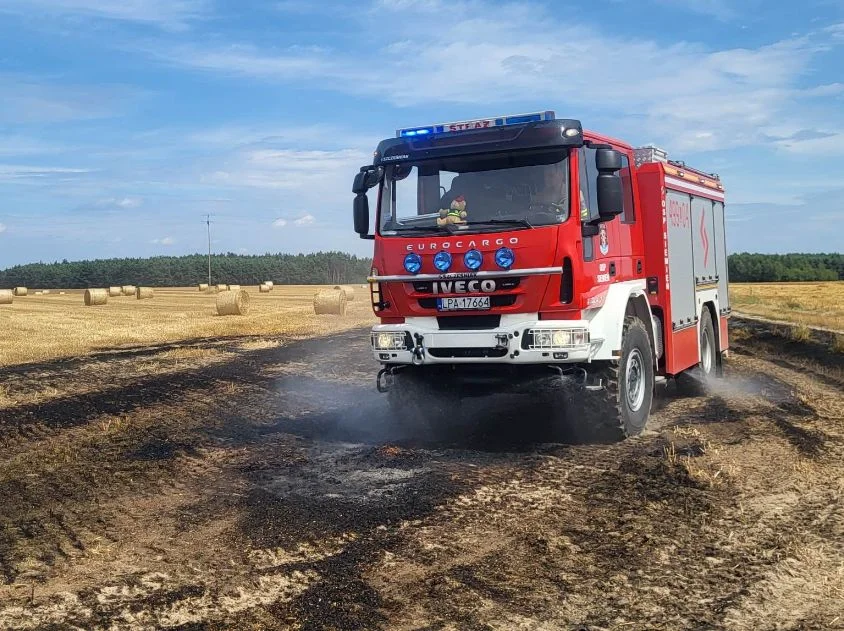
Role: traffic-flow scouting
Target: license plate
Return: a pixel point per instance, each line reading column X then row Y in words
column 469, row 303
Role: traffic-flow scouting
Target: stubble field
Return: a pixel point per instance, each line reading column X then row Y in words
column 812, row 304
column 167, row 468
column 35, row 328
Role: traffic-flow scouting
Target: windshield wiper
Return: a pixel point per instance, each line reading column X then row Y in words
column 416, row 229
column 503, row 222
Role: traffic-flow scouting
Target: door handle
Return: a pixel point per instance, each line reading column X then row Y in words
column 612, row 269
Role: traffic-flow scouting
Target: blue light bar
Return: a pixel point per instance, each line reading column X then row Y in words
column 480, row 123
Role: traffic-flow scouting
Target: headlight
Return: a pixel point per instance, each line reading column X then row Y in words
column 504, row 258
column 473, row 259
column 390, row 341
column 442, row 261
column 546, row 339
column 413, row 263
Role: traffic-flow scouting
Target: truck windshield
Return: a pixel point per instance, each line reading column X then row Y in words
column 478, row 193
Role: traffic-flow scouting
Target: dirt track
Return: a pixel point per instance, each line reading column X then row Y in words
column 259, row 485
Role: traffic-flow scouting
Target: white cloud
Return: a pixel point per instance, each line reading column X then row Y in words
column 814, row 143
column 697, row 97
column 130, row 202
column 836, row 30
column 829, row 89
column 311, row 173
column 19, row 171
column 163, row 13
column 14, row 145
column 29, row 99
column 123, row 203
column 164, row 241
column 2, row 227
column 305, row 220
column 279, row 223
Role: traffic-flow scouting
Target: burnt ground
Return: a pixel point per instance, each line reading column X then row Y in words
column 262, row 485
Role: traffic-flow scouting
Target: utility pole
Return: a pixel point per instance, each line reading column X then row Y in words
column 208, row 224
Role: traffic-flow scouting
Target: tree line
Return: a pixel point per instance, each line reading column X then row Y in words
column 746, row 267
column 178, row 271
column 329, row 268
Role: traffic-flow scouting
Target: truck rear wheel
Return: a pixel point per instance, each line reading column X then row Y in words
column 621, row 409
column 419, row 407
column 698, row 379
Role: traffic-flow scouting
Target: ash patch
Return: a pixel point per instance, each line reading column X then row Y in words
column 345, row 471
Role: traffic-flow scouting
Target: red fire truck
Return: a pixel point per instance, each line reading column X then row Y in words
column 524, row 253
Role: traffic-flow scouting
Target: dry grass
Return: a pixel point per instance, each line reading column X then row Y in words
column 46, row 327
column 800, row 333
column 812, row 304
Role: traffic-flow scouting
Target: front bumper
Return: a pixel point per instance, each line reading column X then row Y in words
column 427, row 344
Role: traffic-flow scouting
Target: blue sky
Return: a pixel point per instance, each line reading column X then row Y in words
column 122, row 122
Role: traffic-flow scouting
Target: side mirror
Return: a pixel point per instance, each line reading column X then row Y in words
column 610, row 190
column 366, row 178
column 361, row 215
column 359, row 185
column 608, row 160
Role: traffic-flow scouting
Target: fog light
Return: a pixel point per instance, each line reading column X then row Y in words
column 389, row 341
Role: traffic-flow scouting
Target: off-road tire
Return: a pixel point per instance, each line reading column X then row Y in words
column 418, row 408
column 697, row 380
column 622, row 407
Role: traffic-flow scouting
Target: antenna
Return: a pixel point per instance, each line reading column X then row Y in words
column 208, row 224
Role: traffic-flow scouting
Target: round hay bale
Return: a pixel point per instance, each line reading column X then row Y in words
column 128, row 290
column 232, row 303
column 143, row 292
column 234, row 287
column 222, row 288
column 203, row 286
column 45, row 292
column 38, row 293
column 20, row 291
column 62, row 293
column 264, row 289
column 95, row 297
column 115, row 291
column 269, row 284
column 6, row 296
column 330, row 302
column 348, row 290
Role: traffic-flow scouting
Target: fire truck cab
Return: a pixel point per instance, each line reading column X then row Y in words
column 525, row 253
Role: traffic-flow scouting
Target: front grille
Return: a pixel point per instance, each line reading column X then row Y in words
column 467, row 352
column 494, row 301
column 506, row 283
column 448, row 323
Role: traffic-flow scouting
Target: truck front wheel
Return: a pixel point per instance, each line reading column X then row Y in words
column 623, row 405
